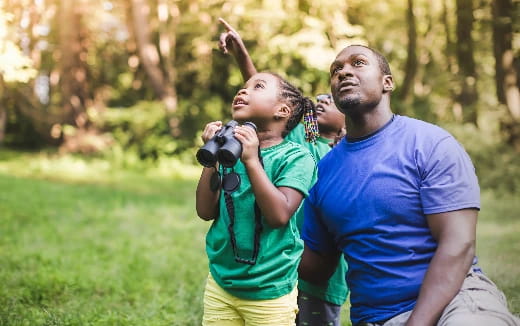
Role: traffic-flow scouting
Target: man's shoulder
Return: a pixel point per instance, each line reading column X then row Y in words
column 422, row 128
column 420, row 134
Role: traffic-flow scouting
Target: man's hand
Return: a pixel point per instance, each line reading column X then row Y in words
column 316, row 267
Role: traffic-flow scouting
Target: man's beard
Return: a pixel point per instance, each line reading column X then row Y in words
column 348, row 103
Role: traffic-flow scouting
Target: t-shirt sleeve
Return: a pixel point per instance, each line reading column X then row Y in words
column 448, row 180
column 314, row 232
column 298, row 171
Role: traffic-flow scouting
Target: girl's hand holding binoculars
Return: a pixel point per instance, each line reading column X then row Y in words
column 249, row 140
column 210, row 130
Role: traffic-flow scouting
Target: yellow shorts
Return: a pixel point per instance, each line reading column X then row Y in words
column 224, row 309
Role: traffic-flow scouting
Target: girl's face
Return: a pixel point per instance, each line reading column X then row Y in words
column 329, row 117
column 258, row 100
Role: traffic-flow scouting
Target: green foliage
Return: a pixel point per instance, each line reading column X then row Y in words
column 21, row 131
column 141, row 130
column 144, row 131
column 496, row 163
column 298, row 39
column 15, row 66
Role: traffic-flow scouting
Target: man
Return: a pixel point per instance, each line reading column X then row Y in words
column 399, row 198
column 318, row 304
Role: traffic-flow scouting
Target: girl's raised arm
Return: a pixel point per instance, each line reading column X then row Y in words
column 231, row 42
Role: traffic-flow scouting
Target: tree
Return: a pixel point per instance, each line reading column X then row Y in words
column 467, row 96
column 411, row 60
column 15, row 67
column 506, row 78
column 149, row 56
column 3, row 112
column 73, row 68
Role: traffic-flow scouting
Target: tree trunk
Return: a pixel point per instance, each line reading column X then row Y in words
column 467, row 96
column 447, row 31
column 167, row 43
column 411, row 60
column 506, row 78
column 149, row 56
column 3, row 112
column 73, row 69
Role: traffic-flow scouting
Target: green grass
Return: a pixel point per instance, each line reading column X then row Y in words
column 129, row 251
column 82, row 243
column 498, row 243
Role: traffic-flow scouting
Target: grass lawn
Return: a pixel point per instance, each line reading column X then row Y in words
column 83, row 244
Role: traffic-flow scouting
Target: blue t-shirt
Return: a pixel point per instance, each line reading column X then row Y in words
column 370, row 201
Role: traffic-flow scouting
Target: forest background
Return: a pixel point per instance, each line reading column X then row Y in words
column 114, row 95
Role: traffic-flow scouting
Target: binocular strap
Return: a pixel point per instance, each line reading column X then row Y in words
column 214, row 182
column 258, row 229
column 229, row 183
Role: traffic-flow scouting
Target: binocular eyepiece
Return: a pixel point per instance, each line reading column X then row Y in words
column 223, row 147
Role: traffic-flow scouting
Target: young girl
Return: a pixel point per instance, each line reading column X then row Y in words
column 254, row 245
column 318, row 305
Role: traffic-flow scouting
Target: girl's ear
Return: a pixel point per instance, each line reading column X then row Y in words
column 283, row 112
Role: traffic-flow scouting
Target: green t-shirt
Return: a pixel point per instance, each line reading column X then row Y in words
column 318, row 149
column 336, row 290
column 275, row 272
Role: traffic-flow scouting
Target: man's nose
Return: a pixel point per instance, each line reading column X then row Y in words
column 346, row 71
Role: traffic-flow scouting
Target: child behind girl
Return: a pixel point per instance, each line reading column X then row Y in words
column 253, row 244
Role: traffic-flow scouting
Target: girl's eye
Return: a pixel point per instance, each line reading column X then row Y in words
column 259, row 85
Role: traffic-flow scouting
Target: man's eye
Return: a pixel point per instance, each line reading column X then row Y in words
column 358, row 62
column 335, row 70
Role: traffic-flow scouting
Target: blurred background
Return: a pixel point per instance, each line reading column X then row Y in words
column 142, row 78
column 102, row 104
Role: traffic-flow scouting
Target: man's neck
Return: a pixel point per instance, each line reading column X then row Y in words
column 365, row 122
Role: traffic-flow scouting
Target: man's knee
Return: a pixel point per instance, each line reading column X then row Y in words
column 475, row 320
column 479, row 302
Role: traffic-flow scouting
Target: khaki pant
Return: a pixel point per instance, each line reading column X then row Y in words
column 478, row 303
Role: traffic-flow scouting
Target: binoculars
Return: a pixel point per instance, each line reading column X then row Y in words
column 223, row 147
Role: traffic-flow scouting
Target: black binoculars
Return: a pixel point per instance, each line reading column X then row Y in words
column 223, row 147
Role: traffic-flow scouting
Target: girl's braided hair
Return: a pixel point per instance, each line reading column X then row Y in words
column 301, row 107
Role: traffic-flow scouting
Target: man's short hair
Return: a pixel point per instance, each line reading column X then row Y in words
column 381, row 60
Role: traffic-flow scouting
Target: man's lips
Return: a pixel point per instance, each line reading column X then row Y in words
column 347, row 85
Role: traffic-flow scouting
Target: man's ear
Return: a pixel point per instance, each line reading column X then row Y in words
column 388, row 83
column 283, row 112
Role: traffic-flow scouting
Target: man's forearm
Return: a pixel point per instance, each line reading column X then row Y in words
column 441, row 283
column 317, row 268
